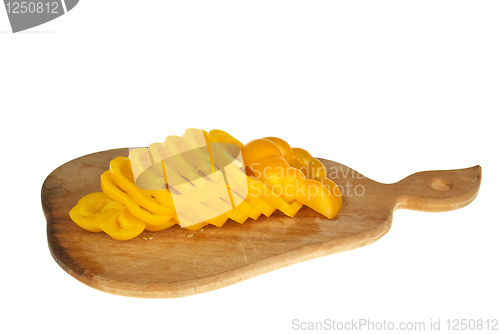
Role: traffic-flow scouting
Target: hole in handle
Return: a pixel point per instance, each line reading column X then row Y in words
column 440, row 184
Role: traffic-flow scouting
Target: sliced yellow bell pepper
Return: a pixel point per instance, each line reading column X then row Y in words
column 205, row 181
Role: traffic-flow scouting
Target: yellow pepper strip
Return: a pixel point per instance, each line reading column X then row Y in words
column 87, row 209
column 110, row 188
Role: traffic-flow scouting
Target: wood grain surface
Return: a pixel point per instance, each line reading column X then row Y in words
column 177, row 262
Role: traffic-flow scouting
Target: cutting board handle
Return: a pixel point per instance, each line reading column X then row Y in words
column 435, row 191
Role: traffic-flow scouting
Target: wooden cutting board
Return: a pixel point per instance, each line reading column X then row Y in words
column 177, row 262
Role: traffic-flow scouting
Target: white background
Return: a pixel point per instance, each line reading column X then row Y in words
column 388, row 88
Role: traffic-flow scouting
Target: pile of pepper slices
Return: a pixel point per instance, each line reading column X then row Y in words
column 278, row 178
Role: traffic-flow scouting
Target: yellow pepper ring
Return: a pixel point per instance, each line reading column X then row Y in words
column 115, row 167
column 110, row 188
column 286, row 150
column 300, row 158
column 87, row 209
column 120, row 224
column 219, row 136
column 257, row 150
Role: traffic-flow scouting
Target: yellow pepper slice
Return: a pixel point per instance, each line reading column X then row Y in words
column 300, row 158
column 144, row 175
column 248, row 210
column 255, row 151
column 116, row 168
column 97, row 212
column 110, row 188
column 218, row 220
column 286, row 150
column 185, row 207
column 120, row 224
column 334, row 190
column 219, row 136
column 266, row 209
column 177, row 163
column 158, row 228
column 87, row 209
